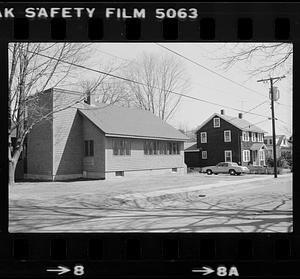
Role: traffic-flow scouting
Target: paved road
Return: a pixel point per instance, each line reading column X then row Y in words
column 191, row 203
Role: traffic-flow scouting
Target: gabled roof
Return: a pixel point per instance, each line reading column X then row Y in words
column 258, row 146
column 240, row 123
column 279, row 138
column 130, row 122
column 190, row 147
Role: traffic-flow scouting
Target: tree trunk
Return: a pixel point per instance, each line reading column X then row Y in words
column 12, row 164
column 11, row 172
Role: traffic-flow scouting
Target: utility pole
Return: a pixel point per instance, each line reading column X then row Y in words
column 273, row 98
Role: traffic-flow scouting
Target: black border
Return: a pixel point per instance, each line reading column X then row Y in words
column 265, row 261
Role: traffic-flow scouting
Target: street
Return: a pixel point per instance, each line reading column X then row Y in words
column 171, row 203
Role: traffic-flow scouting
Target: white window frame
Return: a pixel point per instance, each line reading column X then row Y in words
column 230, row 152
column 245, row 136
column 261, row 155
column 203, row 133
column 253, row 137
column 229, row 136
column 246, row 155
column 260, row 137
column 204, row 152
column 215, row 125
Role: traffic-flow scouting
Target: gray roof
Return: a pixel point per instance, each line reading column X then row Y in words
column 191, row 147
column 279, row 138
column 240, row 123
column 130, row 122
column 258, row 146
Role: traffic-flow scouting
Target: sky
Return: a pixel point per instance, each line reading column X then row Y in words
column 206, row 85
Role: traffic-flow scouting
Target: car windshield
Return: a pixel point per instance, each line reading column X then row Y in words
column 234, row 164
column 220, row 164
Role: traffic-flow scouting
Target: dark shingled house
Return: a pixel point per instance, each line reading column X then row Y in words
column 223, row 138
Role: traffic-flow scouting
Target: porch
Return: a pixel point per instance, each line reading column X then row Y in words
column 258, row 154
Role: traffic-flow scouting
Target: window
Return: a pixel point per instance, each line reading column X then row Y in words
column 265, row 141
column 174, row 169
column 121, row 147
column 253, row 136
column 261, row 155
column 270, row 141
column 154, row 147
column 203, row 137
column 204, row 154
column 216, row 122
column 162, row 148
column 228, row 156
column 245, row 136
column 260, row 137
column 88, row 148
column 246, row 155
column 270, row 151
column 119, row 173
column 227, row 136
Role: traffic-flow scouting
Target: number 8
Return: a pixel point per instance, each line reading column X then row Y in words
column 78, row 270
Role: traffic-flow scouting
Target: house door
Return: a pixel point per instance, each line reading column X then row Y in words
column 254, row 157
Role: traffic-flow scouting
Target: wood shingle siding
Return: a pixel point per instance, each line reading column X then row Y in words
column 138, row 160
column 40, row 142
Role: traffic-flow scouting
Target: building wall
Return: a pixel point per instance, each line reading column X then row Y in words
column 192, row 159
column 93, row 167
column 246, row 145
column 67, row 137
column 216, row 146
column 140, row 162
column 40, row 144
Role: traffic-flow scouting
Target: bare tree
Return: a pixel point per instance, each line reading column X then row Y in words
column 261, row 58
column 106, row 90
column 158, row 76
column 32, row 68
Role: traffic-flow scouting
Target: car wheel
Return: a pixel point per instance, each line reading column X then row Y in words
column 209, row 172
column 232, row 172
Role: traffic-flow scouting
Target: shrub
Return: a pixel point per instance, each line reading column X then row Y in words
column 281, row 162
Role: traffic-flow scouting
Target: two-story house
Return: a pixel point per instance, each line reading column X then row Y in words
column 282, row 145
column 223, row 138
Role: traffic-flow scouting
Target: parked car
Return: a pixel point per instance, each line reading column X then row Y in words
column 225, row 167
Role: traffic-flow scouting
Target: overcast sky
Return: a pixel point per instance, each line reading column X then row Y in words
column 206, row 85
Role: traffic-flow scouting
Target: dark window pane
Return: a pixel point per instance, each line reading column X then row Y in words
column 151, row 147
column 128, row 147
column 122, row 147
column 86, row 148
column 91, row 148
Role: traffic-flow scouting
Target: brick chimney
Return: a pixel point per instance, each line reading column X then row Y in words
column 222, row 111
column 89, row 98
column 240, row 115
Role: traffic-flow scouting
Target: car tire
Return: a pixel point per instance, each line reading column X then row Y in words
column 209, row 172
column 232, row 172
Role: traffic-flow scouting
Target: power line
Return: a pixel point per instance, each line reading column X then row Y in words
column 139, row 64
column 143, row 84
column 211, row 71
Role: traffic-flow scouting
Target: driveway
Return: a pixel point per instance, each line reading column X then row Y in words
column 171, row 203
